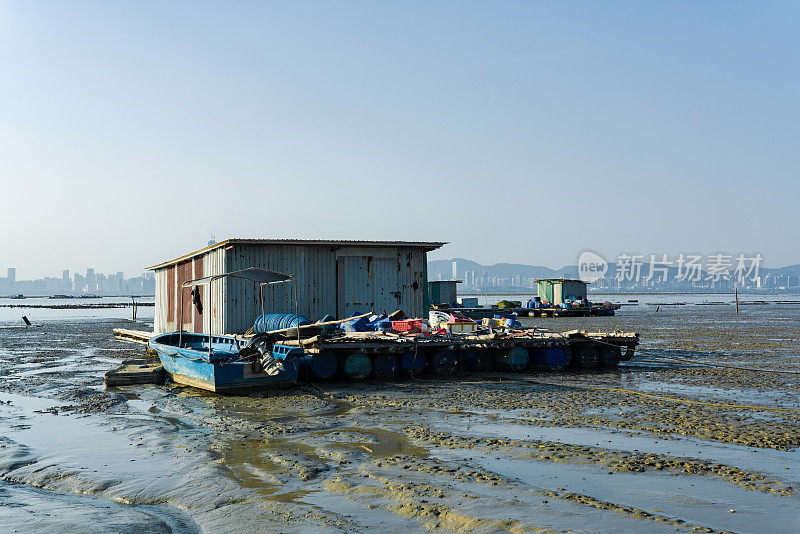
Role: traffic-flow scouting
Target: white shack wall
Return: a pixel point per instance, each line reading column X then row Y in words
column 331, row 279
column 160, row 323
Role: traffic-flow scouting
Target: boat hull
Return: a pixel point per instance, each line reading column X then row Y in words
column 219, row 372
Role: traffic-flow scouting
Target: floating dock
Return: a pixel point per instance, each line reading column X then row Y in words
column 443, row 356
column 595, row 310
column 360, row 356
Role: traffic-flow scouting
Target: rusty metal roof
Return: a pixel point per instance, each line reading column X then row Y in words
column 427, row 245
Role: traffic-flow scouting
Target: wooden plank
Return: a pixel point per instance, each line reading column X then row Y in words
column 133, row 336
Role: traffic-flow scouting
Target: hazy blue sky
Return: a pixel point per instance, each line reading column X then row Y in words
column 518, row 131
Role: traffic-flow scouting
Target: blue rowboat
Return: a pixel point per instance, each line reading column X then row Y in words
column 227, row 363
column 222, row 367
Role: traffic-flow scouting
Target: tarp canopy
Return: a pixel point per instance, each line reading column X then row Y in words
column 261, row 276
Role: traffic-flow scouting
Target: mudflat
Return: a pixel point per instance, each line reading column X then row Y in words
column 653, row 446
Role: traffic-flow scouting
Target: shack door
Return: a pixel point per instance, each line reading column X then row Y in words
column 558, row 298
column 386, row 285
column 353, row 285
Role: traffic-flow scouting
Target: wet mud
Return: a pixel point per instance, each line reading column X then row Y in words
column 656, row 446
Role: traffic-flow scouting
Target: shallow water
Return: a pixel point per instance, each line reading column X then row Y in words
column 488, row 452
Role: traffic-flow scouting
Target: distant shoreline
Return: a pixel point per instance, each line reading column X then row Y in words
column 653, row 293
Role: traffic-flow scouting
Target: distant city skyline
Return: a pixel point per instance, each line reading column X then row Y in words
column 475, row 277
column 70, row 283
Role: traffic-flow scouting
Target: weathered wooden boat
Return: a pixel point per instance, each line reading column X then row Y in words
column 228, row 363
column 134, row 372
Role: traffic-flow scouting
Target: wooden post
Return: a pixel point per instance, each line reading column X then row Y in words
column 133, row 305
column 736, row 296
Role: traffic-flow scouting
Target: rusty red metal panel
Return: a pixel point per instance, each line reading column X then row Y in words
column 171, row 294
column 197, row 321
column 184, row 273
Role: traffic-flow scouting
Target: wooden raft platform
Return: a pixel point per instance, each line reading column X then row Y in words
column 369, row 342
column 396, row 343
column 583, row 311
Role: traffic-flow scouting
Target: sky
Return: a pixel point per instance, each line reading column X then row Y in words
column 524, row 132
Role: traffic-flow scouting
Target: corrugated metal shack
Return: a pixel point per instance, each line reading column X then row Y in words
column 555, row 290
column 333, row 277
column 443, row 292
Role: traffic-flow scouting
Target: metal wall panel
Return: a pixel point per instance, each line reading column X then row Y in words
column 558, row 296
column 160, row 323
column 214, row 293
column 412, row 281
column 443, row 292
column 386, row 294
column 313, row 266
column 573, row 288
column 545, row 290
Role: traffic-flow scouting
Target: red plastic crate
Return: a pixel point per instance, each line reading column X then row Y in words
column 407, row 325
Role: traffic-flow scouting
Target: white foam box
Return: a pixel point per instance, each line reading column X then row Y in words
column 460, row 328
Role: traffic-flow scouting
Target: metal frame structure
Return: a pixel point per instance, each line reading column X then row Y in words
column 262, row 277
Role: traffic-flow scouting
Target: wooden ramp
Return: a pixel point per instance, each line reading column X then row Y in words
column 133, row 336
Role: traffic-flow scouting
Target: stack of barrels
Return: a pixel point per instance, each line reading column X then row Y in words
column 442, row 362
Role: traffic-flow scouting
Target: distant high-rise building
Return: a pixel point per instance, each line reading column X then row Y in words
column 65, row 274
column 91, row 280
column 12, row 275
column 455, row 271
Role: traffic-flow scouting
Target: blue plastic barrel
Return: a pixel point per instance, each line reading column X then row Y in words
column 548, row 359
column 477, row 360
column 443, row 362
column 318, row 366
column 355, row 365
column 587, row 357
column 412, row 362
column 278, row 321
column 515, row 359
column 384, row 366
column 609, row 356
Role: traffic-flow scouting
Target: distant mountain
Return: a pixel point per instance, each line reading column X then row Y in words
column 791, row 270
column 506, row 273
column 444, row 268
